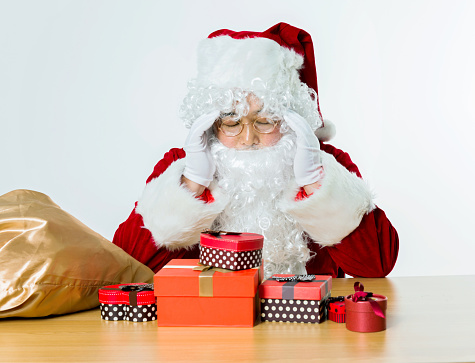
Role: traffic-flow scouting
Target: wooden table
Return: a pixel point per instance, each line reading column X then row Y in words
column 430, row 319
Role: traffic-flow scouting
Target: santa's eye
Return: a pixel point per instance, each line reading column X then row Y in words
column 230, row 123
column 264, row 125
column 263, row 122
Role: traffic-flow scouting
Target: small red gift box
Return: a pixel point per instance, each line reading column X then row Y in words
column 132, row 302
column 295, row 298
column 190, row 294
column 230, row 250
column 365, row 311
column 337, row 310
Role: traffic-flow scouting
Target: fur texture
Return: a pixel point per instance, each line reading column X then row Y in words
column 172, row 213
column 228, row 63
column 230, row 69
column 336, row 209
column 326, row 132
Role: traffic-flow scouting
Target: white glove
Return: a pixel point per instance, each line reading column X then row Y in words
column 308, row 167
column 199, row 165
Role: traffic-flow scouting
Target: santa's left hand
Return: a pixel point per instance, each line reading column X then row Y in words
column 308, row 167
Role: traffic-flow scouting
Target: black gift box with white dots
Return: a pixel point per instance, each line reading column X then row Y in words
column 293, row 311
column 295, row 298
column 230, row 250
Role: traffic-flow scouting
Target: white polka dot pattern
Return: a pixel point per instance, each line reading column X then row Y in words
column 138, row 313
column 293, row 311
column 230, row 260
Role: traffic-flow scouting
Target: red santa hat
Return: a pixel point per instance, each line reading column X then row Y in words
column 280, row 58
column 286, row 36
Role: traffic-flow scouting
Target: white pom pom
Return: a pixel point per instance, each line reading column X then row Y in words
column 327, row 132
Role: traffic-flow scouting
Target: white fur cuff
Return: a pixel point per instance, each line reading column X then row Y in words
column 172, row 213
column 336, row 209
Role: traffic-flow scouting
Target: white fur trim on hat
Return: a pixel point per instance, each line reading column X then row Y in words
column 336, row 209
column 249, row 64
column 230, row 69
column 172, row 213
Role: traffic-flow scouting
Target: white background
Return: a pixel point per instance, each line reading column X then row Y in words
column 90, row 91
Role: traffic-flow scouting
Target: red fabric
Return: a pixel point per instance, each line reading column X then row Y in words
column 290, row 37
column 169, row 157
column 371, row 250
column 112, row 294
column 138, row 242
column 301, row 195
column 206, row 196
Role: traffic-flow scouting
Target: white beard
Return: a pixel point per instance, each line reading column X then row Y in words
column 255, row 181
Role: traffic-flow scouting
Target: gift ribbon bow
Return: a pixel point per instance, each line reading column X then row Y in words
column 220, row 233
column 288, row 288
column 361, row 295
column 296, row 278
column 137, row 288
column 206, row 278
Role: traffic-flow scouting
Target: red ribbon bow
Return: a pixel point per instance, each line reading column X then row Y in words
column 361, row 295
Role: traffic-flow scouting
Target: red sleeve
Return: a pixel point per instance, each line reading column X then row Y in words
column 138, row 242
column 171, row 156
column 342, row 157
column 371, row 250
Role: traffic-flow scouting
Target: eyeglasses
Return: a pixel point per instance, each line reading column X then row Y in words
column 231, row 126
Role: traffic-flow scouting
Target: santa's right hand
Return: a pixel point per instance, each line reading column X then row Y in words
column 199, row 165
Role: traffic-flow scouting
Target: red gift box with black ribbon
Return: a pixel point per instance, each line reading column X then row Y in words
column 231, row 250
column 295, row 298
column 336, row 309
column 132, row 302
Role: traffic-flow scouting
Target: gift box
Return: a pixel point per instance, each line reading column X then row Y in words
column 365, row 311
column 231, row 250
column 132, row 302
column 336, row 309
column 190, row 294
column 295, row 298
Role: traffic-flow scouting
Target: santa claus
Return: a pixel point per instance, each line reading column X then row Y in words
column 256, row 160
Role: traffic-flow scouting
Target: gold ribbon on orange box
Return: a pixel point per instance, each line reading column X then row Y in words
column 206, row 278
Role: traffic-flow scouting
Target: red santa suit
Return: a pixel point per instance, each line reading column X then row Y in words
column 345, row 232
column 370, row 250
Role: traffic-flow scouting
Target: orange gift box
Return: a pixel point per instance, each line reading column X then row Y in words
column 190, row 294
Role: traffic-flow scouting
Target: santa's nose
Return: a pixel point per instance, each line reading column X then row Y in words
column 249, row 136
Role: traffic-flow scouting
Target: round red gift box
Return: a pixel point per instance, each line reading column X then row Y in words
column 360, row 316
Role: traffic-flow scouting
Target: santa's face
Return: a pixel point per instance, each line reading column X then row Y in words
column 249, row 138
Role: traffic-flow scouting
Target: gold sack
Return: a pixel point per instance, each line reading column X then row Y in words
column 51, row 263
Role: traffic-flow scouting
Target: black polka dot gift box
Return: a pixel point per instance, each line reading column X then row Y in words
column 131, row 302
column 295, row 298
column 231, row 250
